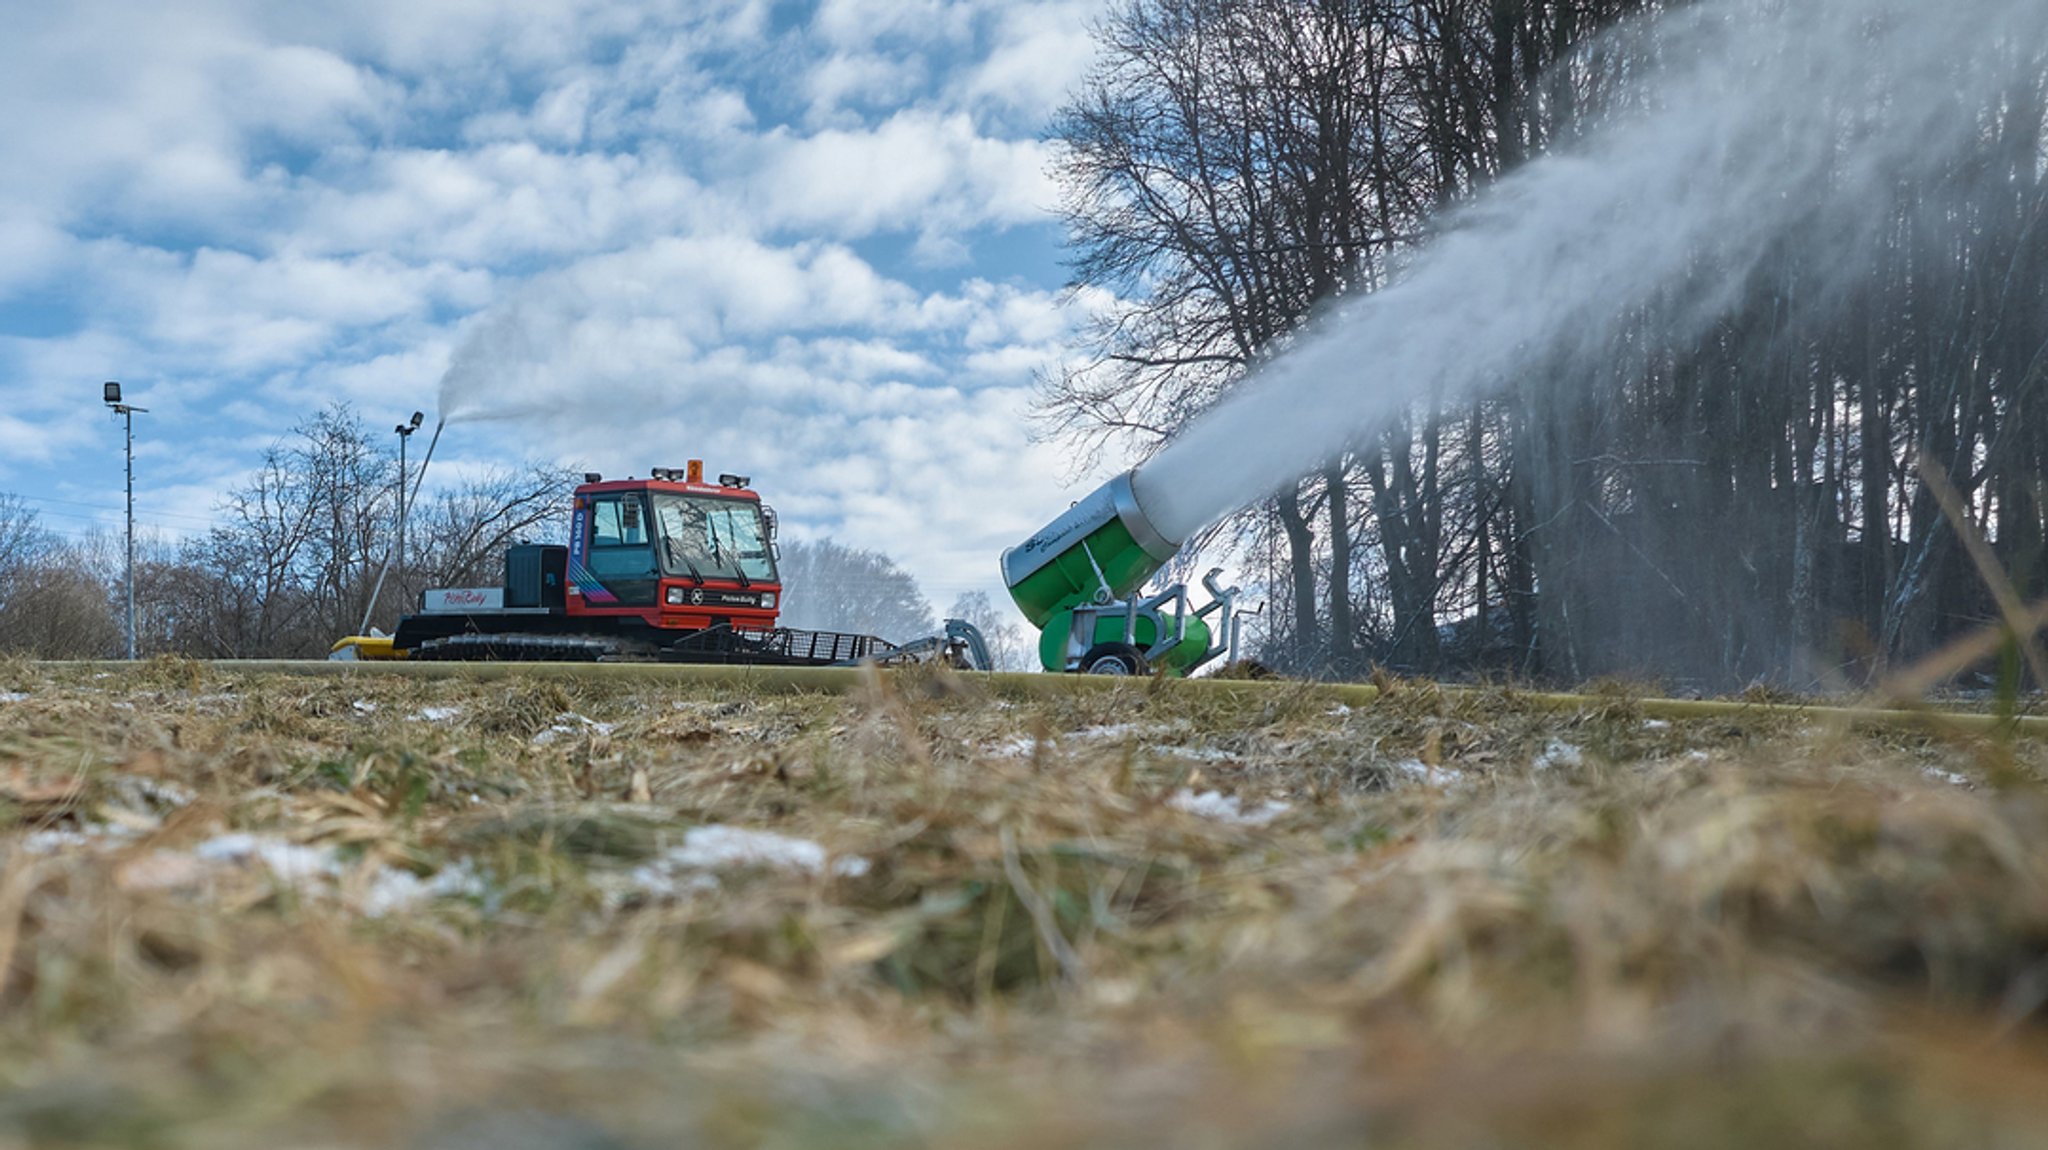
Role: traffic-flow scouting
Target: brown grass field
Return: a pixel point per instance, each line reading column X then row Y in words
column 374, row 910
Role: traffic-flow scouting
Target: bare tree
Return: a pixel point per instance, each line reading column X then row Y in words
column 295, row 563
column 53, row 604
column 458, row 537
column 1008, row 648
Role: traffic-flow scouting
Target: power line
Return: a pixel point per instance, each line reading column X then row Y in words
column 46, row 499
column 75, row 533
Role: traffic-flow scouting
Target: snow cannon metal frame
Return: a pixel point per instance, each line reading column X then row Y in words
column 1079, row 581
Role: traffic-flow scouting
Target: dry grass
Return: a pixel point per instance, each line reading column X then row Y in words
column 469, row 915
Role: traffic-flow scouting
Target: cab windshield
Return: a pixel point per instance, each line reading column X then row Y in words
column 704, row 537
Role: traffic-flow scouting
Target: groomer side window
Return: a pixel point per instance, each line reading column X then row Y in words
column 621, row 549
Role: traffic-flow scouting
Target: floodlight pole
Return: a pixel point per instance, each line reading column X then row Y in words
column 405, row 431
column 127, row 413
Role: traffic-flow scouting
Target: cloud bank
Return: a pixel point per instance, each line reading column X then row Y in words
column 806, row 242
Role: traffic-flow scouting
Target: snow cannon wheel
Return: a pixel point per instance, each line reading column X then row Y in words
column 1113, row 659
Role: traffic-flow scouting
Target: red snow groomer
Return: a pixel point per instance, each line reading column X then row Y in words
column 668, row 568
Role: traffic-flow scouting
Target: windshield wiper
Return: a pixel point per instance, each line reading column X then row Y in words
column 717, row 551
column 675, row 552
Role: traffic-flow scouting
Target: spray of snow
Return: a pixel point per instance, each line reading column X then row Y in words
column 507, row 352
column 1759, row 126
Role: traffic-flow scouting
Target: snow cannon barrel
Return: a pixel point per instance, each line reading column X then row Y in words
column 1104, row 548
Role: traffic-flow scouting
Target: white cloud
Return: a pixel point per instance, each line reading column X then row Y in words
column 683, row 231
column 30, row 249
column 860, row 23
column 863, row 78
column 1041, row 53
column 916, row 171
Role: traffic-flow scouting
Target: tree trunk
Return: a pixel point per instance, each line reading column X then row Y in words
column 1343, row 639
column 1301, row 569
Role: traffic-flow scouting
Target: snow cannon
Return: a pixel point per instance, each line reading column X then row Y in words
column 1080, row 581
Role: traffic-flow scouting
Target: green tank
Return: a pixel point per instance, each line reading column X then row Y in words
column 1182, row 657
column 1082, row 566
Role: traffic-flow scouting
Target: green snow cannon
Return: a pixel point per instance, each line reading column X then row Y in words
column 1079, row 581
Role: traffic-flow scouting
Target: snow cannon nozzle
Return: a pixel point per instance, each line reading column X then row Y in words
column 1104, row 548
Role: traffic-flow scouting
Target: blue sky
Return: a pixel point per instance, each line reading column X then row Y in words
column 811, row 242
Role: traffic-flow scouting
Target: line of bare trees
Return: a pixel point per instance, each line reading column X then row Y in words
column 290, row 565
column 830, row 586
column 1740, row 505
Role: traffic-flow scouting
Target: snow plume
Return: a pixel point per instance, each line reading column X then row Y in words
column 503, row 362
column 1751, row 127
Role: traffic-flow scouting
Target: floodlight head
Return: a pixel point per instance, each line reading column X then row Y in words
column 113, row 392
column 417, row 418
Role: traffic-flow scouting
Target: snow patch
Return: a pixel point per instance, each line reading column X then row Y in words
column 13, row 696
column 1200, row 754
column 318, row 870
column 1226, row 808
column 570, row 723
column 1021, row 747
column 364, row 707
column 436, row 714
column 1950, row 777
column 717, row 848
column 1421, row 772
column 1112, row 731
column 288, row 862
column 91, row 836
column 392, row 889
column 153, row 792
column 1559, row 753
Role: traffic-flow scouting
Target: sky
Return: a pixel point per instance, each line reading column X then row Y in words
column 813, row 243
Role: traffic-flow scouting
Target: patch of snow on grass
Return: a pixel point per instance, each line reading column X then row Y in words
column 91, row 836
column 1200, row 754
column 1656, row 725
column 13, row 696
column 1021, row 747
column 392, row 889
column 154, row 792
column 1226, row 808
column 570, row 723
column 365, row 707
column 288, row 862
column 1950, row 777
column 319, row 870
column 717, row 848
column 436, row 714
column 1559, row 754
column 1422, row 772
column 1112, row 731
